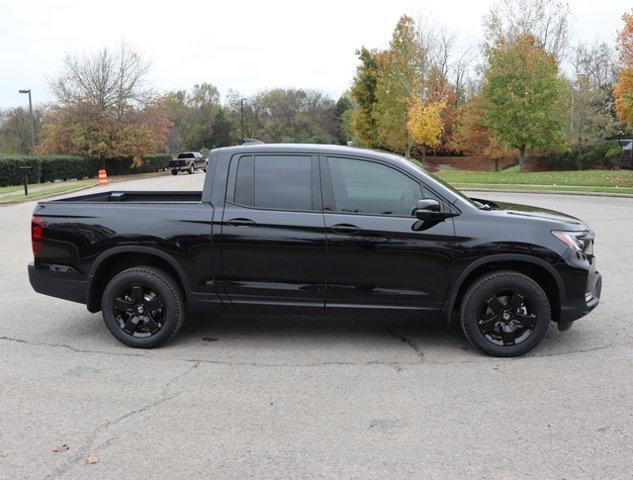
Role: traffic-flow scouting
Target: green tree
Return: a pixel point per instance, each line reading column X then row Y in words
column 344, row 113
column 193, row 114
column 15, row 129
column 398, row 87
column 525, row 98
column 363, row 92
column 222, row 130
column 287, row 115
column 592, row 115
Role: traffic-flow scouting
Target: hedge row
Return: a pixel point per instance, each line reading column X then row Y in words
column 47, row 168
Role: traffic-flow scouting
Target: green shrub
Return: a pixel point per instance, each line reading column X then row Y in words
column 9, row 174
column 48, row 168
column 65, row 167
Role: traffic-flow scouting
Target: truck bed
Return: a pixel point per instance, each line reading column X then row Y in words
column 138, row 197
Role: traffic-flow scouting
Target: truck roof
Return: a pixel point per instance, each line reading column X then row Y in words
column 312, row 148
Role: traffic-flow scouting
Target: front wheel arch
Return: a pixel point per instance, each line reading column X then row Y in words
column 538, row 270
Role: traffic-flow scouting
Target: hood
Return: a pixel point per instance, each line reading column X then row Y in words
column 536, row 213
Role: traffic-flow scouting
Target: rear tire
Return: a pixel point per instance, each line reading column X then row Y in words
column 143, row 307
column 505, row 314
column 174, row 172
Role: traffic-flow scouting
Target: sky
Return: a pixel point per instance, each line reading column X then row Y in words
column 237, row 44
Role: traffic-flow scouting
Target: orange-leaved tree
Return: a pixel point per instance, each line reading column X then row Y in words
column 623, row 90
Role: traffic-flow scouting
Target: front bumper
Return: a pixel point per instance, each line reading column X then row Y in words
column 49, row 282
column 571, row 311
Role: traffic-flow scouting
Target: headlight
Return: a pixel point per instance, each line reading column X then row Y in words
column 574, row 240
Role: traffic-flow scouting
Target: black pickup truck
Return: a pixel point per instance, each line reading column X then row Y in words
column 321, row 229
column 188, row 162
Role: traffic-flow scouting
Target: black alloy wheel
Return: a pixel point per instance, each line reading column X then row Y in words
column 505, row 313
column 139, row 311
column 143, row 307
column 506, row 318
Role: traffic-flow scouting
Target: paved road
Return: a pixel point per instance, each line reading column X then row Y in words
column 244, row 397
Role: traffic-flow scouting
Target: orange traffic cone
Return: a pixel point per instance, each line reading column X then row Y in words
column 103, row 177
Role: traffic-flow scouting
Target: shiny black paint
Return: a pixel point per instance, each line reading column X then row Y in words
column 240, row 257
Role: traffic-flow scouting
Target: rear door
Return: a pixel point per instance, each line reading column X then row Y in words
column 379, row 255
column 273, row 236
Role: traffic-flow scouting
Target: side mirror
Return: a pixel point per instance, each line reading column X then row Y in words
column 427, row 209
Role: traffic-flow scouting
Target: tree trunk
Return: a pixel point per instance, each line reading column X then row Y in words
column 407, row 152
column 521, row 158
column 496, row 164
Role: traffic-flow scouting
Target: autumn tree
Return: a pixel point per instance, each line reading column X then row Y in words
column 623, row 90
column 104, row 108
column 425, row 124
column 398, row 87
column 363, row 91
column 474, row 138
column 524, row 97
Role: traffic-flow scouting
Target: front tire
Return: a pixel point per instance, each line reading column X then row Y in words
column 174, row 172
column 143, row 307
column 192, row 169
column 505, row 314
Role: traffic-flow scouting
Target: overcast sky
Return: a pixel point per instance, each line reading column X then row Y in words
column 238, row 44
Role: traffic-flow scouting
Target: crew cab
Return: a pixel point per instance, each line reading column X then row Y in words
column 188, row 162
column 317, row 229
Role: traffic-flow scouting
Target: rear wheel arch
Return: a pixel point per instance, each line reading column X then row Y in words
column 541, row 272
column 110, row 263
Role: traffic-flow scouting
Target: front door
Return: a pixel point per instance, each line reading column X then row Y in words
column 379, row 255
column 273, row 237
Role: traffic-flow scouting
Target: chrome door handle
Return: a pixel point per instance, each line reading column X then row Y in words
column 345, row 228
column 240, row 222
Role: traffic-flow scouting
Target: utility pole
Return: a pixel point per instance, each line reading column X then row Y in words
column 242, row 117
column 32, row 120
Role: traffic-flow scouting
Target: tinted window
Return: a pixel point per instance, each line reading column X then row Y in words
column 244, row 181
column 276, row 182
column 371, row 188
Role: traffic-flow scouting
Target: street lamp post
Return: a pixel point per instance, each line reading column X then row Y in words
column 242, row 117
column 32, row 120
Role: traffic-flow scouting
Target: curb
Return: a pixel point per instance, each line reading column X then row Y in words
column 551, row 192
column 124, row 178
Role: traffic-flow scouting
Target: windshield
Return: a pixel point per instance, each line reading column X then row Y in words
column 186, row 155
column 448, row 186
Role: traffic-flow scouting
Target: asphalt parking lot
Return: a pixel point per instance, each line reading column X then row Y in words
column 237, row 397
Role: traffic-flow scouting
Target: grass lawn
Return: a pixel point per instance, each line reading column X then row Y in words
column 54, row 188
column 612, row 181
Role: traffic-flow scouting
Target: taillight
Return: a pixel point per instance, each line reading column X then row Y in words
column 37, row 234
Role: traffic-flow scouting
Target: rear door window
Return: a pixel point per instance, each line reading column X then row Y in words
column 278, row 182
